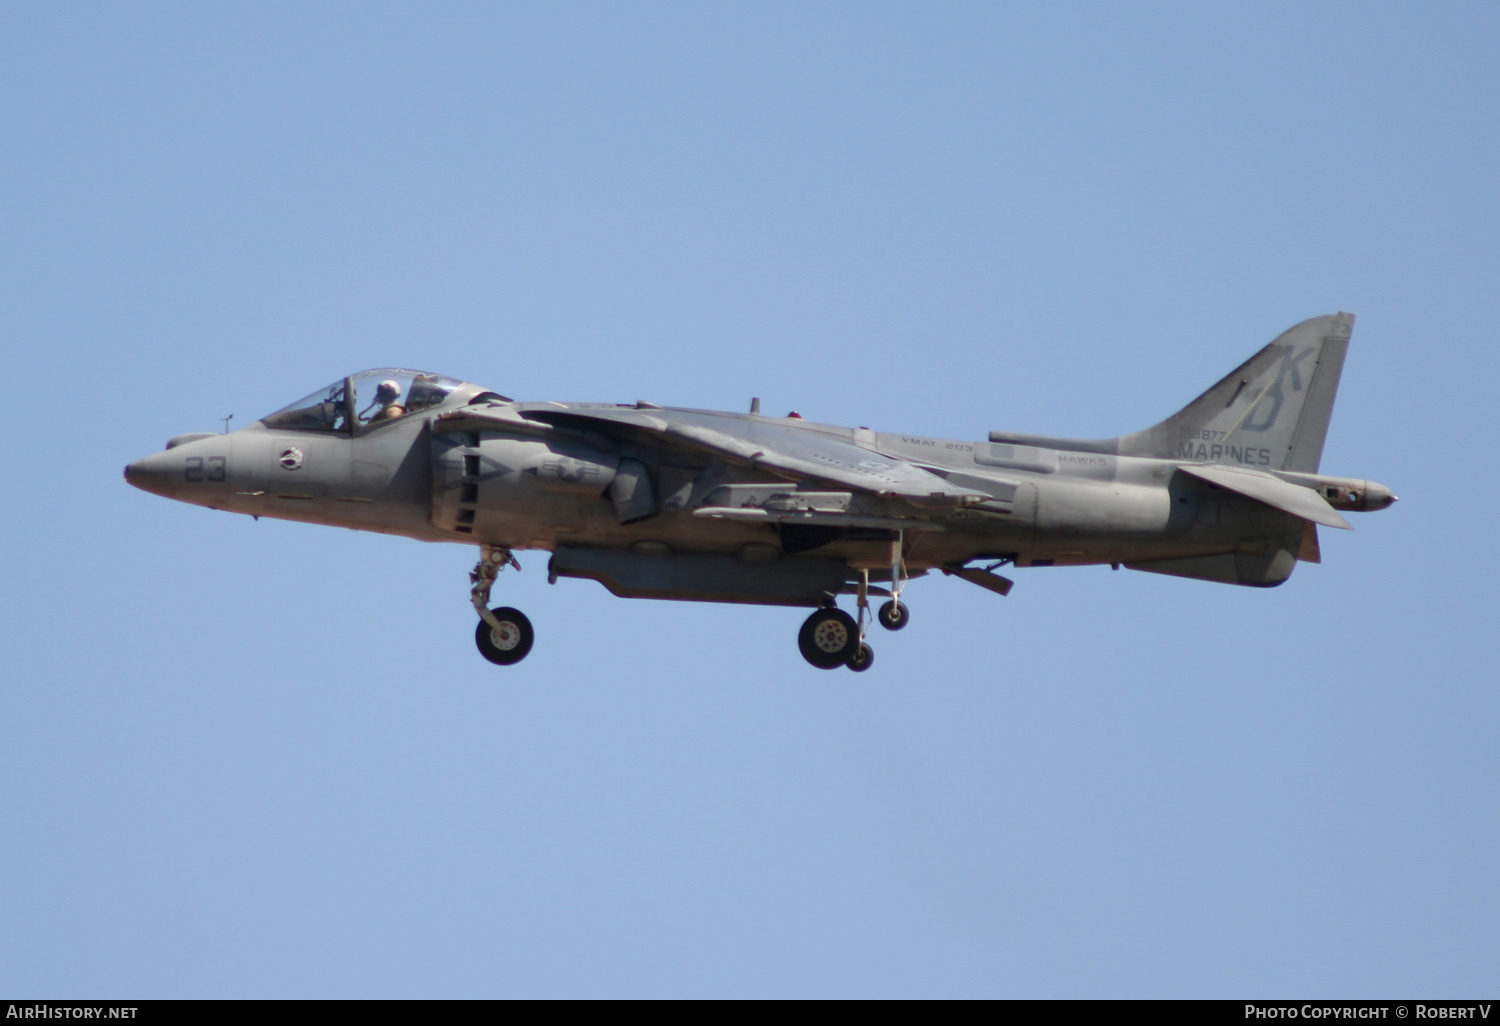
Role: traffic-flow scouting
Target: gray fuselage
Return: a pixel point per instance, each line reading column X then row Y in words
column 436, row 476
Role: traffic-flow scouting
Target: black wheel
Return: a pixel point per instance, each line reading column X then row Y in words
column 827, row 638
column 509, row 644
column 863, row 659
column 893, row 615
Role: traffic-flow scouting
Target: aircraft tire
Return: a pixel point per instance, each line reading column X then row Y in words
column 894, row 615
column 863, row 659
column 827, row 638
column 511, row 648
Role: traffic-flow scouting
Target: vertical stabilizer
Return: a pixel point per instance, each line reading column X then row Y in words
column 1271, row 412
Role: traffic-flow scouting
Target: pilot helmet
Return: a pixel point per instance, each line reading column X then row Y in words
column 387, row 391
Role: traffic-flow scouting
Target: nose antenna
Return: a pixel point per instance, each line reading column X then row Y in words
column 226, row 421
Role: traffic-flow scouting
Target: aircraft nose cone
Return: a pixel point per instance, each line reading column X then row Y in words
column 153, row 474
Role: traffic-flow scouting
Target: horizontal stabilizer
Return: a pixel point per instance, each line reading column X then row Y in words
column 1294, row 499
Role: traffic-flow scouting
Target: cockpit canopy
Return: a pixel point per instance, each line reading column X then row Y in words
column 364, row 399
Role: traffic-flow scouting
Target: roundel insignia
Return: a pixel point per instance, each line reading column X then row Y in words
column 290, row 459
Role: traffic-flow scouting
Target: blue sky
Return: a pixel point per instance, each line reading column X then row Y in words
column 245, row 758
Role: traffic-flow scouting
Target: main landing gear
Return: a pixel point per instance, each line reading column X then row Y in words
column 831, row 638
column 504, row 635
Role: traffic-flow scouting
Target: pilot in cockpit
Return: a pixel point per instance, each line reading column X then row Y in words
column 388, row 399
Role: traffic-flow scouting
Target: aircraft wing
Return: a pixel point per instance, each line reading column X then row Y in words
column 1294, row 499
column 784, row 449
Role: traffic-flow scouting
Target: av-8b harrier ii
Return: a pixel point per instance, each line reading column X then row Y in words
column 666, row 503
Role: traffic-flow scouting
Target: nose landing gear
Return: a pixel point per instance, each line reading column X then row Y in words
column 504, row 635
column 508, row 643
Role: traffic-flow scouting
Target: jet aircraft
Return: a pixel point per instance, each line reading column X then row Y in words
column 668, row 503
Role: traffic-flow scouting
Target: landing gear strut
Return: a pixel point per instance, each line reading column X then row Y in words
column 894, row 615
column 861, row 657
column 504, row 635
